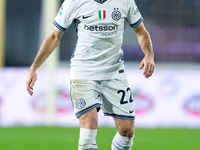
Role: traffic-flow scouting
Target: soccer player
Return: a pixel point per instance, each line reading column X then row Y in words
column 98, row 76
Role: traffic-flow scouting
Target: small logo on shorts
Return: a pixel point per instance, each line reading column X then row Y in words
column 116, row 14
column 131, row 111
column 80, row 103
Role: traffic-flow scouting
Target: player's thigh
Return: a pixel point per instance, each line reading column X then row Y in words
column 125, row 127
column 85, row 96
column 89, row 120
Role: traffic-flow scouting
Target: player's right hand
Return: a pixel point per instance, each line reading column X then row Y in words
column 32, row 77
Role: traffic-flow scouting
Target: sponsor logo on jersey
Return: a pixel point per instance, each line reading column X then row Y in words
column 102, row 14
column 80, row 103
column 116, row 14
column 101, row 28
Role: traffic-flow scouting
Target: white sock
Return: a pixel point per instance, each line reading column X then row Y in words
column 121, row 142
column 87, row 139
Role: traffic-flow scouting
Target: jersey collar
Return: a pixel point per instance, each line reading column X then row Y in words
column 101, row 2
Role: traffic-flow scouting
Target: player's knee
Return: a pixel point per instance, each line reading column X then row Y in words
column 128, row 132
column 125, row 127
column 90, row 123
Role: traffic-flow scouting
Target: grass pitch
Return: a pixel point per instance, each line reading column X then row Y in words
column 59, row 138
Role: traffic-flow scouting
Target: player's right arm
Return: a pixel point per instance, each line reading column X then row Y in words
column 48, row 46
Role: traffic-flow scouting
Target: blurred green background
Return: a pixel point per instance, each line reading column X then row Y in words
column 59, row 138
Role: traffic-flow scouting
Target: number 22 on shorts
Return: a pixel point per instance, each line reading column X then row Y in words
column 122, row 101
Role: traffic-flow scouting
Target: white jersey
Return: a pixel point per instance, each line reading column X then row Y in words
column 100, row 27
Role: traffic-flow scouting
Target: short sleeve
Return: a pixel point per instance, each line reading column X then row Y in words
column 65, row 15
column 134, row 17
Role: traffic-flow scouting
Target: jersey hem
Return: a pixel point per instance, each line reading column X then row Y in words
column 96, row 77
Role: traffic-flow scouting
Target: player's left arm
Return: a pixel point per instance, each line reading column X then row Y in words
column 144, row 40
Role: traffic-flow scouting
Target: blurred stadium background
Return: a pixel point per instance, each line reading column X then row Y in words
column 167, row 104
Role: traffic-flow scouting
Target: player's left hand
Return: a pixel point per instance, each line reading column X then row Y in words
column 148, row 64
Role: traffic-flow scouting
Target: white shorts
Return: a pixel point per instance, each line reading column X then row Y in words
column 114, row 97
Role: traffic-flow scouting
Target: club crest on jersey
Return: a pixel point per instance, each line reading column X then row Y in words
column 116, row 14
column 80, row 103
column 102, row 14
